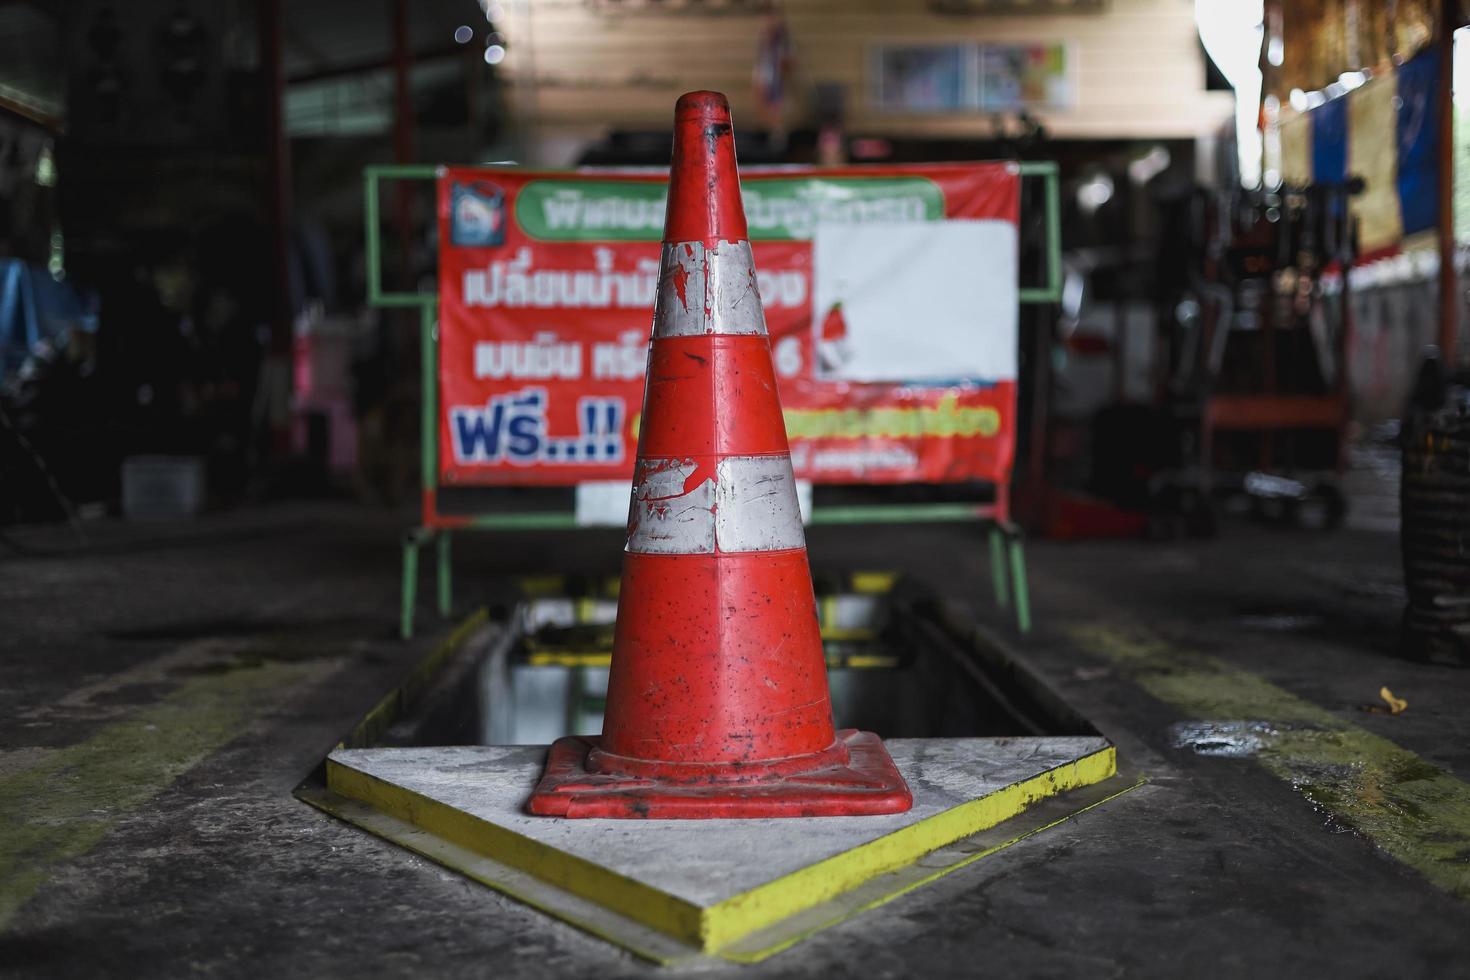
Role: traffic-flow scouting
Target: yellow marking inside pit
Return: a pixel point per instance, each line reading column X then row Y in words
column 709, row 929
column 862, row 661
column 554, row 658
column 542, row 585
column 581, row 658
column 847, row 633
column 873, row 583
column 1412, row 809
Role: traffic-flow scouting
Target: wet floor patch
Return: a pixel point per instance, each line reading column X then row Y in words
column 1224, row 739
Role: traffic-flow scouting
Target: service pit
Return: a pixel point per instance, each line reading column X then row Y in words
column 444, row 764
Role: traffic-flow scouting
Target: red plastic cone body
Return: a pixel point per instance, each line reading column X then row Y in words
column 717, row 701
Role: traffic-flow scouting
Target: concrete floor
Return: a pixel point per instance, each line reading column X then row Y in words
column 163, row 689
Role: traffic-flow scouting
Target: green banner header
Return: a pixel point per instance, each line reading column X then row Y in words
column 776, row 208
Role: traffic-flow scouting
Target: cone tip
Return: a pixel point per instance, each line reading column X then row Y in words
column 704, row 183
column 709, row 106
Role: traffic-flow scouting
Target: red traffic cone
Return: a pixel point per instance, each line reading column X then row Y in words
column 717, row 702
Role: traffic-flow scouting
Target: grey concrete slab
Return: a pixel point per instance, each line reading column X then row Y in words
column 705, row 862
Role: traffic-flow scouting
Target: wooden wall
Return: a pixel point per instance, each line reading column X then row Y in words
column 1137, row 67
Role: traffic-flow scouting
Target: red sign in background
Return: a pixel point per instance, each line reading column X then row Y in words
column 547, row 283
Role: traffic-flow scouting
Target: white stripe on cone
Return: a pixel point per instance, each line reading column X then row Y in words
column 750, row 506
column 707, row 291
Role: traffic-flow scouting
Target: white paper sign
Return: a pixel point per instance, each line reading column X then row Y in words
column 924, row 301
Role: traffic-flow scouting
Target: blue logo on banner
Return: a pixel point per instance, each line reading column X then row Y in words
column 477, row 215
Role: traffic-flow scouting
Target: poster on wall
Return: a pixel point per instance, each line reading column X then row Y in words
column 968, row 77
column 547, row 283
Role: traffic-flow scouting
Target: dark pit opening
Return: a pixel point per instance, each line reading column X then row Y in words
column 896, row 666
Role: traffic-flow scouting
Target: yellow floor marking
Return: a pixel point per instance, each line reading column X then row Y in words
column 61, row 807
column 93, row 701
column 1412, row 809
column 541, row 585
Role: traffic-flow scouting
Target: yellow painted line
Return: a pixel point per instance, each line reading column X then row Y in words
column 712, row 928
column 396, row 702
column 643, row 903
column 64, row 805
column 757, row 955
column 551, row 658
column 472, row 865
column 767, row 904
column 873, row 583
column 1412, row 809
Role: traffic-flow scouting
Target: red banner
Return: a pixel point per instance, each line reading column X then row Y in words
column 547, row 283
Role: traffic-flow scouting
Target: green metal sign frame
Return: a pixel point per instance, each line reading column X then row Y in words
column 1007, row 557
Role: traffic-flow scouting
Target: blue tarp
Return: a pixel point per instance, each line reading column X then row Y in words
column 36, row 311
column 1330, row 142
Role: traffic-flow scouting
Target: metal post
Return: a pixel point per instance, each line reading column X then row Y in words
column 1039, row 356
column 403, row 129
column 278, row 155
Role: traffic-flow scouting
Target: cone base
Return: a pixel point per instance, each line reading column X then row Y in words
column 867, row 785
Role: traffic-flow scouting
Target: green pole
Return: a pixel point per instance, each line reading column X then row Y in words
column 998, row 569
column 1053, row 236
column 1052, row 212
column 1018, row 582
column 410, row 586
column 374, row 245
column 372, row 179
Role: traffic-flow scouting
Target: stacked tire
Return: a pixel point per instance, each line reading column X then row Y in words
column 1434, row 499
